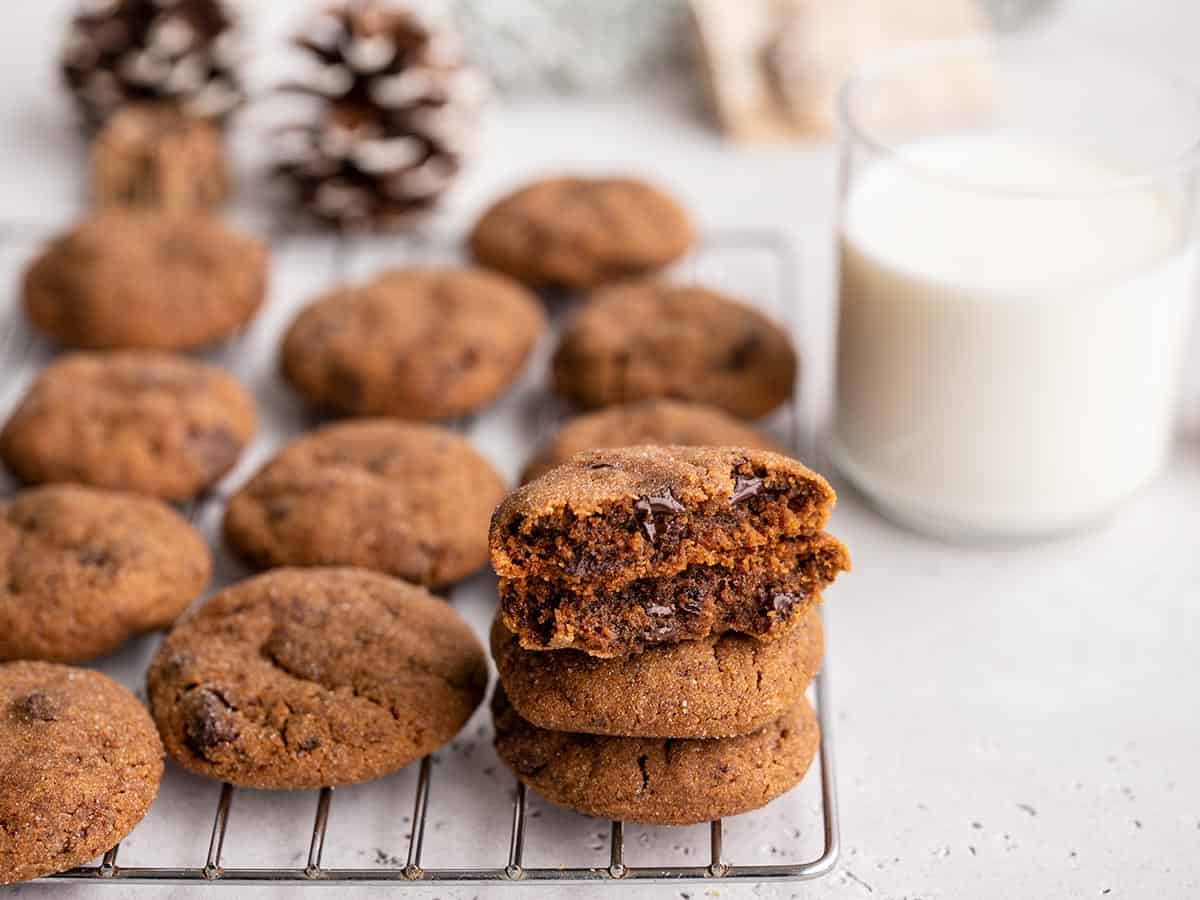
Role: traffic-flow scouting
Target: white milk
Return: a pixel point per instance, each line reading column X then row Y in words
column 1006, row 364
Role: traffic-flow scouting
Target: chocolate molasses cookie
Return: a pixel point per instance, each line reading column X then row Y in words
column 129, row 278
column 658, row 781
column 635, row 512
column 421, row 344
column 156, row 156
column 719, row 686
column 410, row 500
column 135, row 420
column 622, row 549
column 80, row 764
column 302, row 678
column 83, row 570
column 650, row 339
column 649, row 422
column 575, row 232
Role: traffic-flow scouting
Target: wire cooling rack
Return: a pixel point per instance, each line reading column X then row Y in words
column 754, row 264
column 511, row 870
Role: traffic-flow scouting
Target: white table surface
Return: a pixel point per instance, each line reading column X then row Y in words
column 1010, row 722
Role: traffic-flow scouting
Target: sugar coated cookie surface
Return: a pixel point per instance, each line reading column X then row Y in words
column 80, row 764
column 302, row 678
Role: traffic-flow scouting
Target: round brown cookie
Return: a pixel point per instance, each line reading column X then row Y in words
column 302, row 678
column 649, row 422
column 621, row 549
column 658, row 781
column 83, row 570
column 715, row 687
column 126, row 278
column 136, row 420
column 410, row 500
column 80, row 764
column 155, row 155
column 580, row 232
column 422, row 344
column 650, row 339
column 608, row 517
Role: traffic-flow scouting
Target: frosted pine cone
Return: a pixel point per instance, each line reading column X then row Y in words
column 396, row 109
column 122, row 51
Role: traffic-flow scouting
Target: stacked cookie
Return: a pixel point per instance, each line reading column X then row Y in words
column 658, row 629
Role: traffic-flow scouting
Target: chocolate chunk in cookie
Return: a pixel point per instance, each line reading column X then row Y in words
column 302, row 678
column 649, row 422
column 410, row 500
column 658, row 781
column 650, row 339
column 576, row 232
column 131, row 278
column 719, row 686
column 83, row 570
column 423, row 344
column 80, row 764
column 133, row 420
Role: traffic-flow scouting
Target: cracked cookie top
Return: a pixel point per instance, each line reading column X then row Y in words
column 302, row 678
column 133, row 420
column 79, row 766
column 406, row 499
column 126, row 278
column 82, row 570
column 418, row 343
column 572, row 232
column 642, row 340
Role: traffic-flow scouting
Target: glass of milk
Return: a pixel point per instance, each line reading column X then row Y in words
column 1017, row 258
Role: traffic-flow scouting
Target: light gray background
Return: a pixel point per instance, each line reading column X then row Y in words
column 1013, row 722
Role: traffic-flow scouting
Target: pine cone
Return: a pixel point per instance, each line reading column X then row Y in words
column 122, row 51
column 396, row 109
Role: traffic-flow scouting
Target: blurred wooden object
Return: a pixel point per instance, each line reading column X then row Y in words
column 774, row 67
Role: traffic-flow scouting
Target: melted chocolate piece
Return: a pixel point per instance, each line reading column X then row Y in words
column 35, row 707
column 208, row 723
column 745, row 487
column 655, row 503
column 94, row 556
column 216, row 449
column 743, row 352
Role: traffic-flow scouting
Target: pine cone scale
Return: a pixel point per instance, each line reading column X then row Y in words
column 118, row 52
column 391, row 122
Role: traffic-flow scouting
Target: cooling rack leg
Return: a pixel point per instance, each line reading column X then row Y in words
column 516, row 845
column 716, row 868
column 317, row 846
column 216, row 843
column 616, row 857
column 108, row 865
column 412, row 868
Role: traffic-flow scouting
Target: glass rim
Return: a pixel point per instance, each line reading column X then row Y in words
column 985, row 45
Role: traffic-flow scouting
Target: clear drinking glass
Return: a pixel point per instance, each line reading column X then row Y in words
column 1018, row 245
